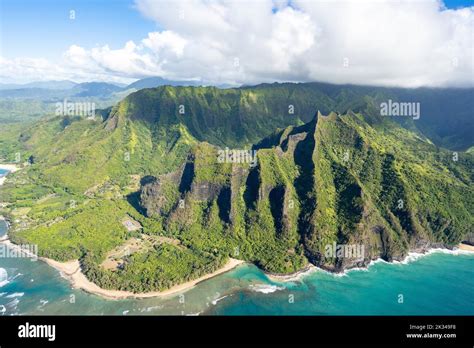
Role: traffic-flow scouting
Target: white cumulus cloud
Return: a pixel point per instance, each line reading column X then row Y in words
column 394, row 43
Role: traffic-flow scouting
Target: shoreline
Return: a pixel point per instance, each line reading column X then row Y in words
column 71, row 270
column 461, row 248
column 465, row 247
column 292, row 276
column 11, row 168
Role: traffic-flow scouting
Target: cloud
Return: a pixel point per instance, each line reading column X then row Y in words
column 165, row 42
column 403, row 43
column 129, row 61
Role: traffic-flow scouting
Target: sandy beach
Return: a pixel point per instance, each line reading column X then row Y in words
column 465, row 247
column 291, row 277
column 12, row 168
column 72, row 271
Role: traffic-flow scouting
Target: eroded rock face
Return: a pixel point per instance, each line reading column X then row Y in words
column 239, row 176
column 152, row 198
column 306, row 194
column 112, row 123
column 156, row 194
column 293, row 141
column 469, row 239
column 205, row 191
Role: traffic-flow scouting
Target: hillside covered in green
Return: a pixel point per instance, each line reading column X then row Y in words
column 142, row 199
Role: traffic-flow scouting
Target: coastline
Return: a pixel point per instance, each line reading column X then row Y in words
column 71, row 270
column 9, row 166
column 465, row 247
column 292, row 276
column 461, row 248
column 12, row 168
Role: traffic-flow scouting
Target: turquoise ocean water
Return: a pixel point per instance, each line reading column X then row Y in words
column 440, row 283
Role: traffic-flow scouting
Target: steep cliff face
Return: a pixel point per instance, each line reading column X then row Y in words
column 335, row 181
column 336, row 190
column 383, row 188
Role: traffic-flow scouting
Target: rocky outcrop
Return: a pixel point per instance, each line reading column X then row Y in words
column 317, row 189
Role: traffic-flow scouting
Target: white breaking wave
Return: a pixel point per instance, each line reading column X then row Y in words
column 3, row 277
column 149, row 309
column 412, row 256
column 340, row 274
column 15, row 294
column 296, row 277
column 265, row 288
column 16, row 276
column 214, row 302
column 13, row 303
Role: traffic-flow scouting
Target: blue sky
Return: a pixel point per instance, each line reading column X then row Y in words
column 457, row 3
column 411, row 44
column 43, row 26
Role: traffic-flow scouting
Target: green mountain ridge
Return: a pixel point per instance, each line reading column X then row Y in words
column 246, row 115
column 351, row 178
column 304, row 195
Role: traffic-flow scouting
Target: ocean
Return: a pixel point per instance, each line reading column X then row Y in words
column 439, row 283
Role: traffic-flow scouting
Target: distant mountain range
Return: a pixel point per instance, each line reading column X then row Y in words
column 58, row 85
column 446, row 114
column 49, row 89
column 151, row 82
column 24, row 102
column 77, row 90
